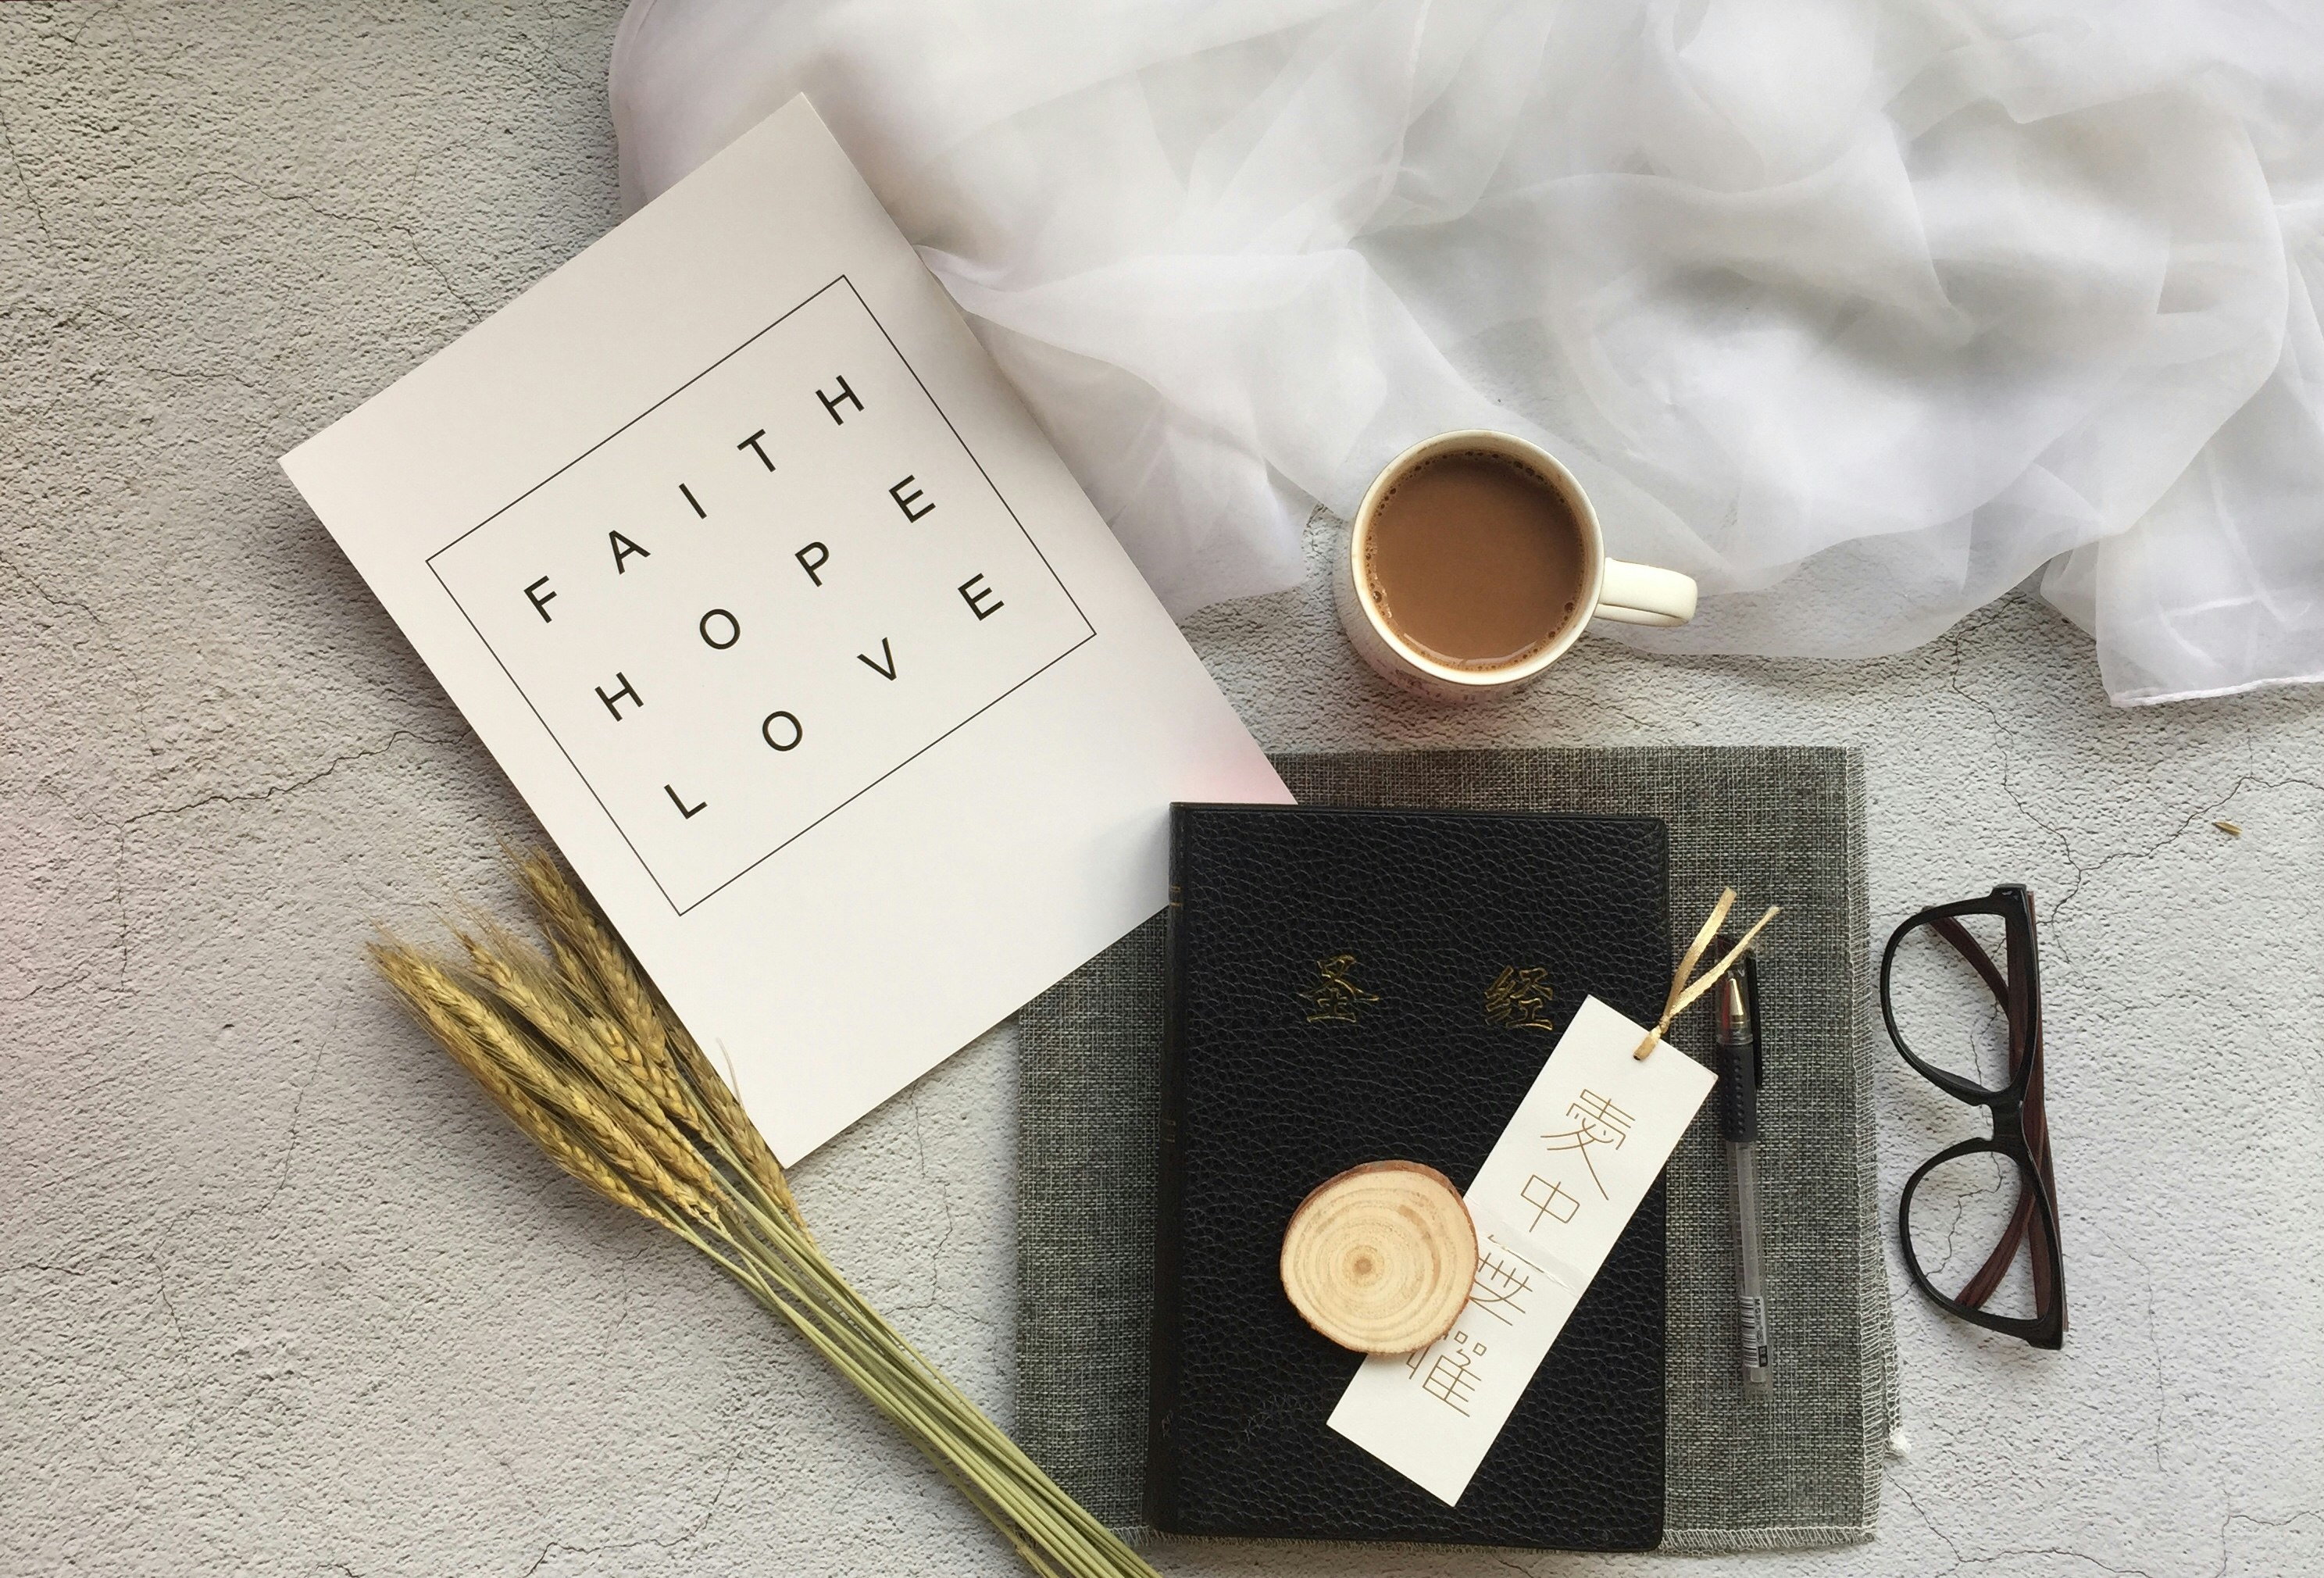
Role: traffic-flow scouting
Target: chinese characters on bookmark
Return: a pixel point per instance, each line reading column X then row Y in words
column 1586, row 1144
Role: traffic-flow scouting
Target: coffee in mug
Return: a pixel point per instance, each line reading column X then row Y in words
column 1476, row 560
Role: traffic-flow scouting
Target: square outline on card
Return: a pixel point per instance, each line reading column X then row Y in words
column 1090, row 630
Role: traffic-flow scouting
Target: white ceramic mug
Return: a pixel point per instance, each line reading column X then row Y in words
column 1611, row 588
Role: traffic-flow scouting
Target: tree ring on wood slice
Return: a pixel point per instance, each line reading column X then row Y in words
column 1381, row 1257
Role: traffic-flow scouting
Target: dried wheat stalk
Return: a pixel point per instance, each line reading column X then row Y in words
column 579, row 1050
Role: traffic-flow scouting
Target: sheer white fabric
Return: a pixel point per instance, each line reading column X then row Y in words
column 1859, row 313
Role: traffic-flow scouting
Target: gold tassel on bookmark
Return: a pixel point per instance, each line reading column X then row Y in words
column 1680, row 993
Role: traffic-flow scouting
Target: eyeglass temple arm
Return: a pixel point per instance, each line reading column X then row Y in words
column 1988, row 1277
column 1970, row 948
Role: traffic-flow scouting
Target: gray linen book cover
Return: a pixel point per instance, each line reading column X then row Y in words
column 1782, row 825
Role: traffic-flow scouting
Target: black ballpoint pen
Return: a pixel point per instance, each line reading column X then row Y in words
column 1739, row 1073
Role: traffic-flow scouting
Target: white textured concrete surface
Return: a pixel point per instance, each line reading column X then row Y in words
column 279, row 1294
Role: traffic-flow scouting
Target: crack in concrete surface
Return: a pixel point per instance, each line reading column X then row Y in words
column 118, row 945
column 2154, row 1340
column 665, row 1542
column 17, row 165
column 2084, row 871
column 53, row 599
column 276, row 792
column 369, row 224
column 2226, row 1531
column 1965, row 1561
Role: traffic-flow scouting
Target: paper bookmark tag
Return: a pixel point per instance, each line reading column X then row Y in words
column 1586, row 1144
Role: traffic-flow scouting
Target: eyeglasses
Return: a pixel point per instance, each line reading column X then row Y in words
column 1961, row 1210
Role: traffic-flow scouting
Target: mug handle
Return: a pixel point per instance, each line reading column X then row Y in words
column 1631, row 594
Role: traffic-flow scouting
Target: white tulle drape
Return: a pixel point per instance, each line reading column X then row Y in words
column 1861, row 313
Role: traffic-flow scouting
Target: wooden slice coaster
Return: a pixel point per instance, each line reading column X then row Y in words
column 1380, row 1259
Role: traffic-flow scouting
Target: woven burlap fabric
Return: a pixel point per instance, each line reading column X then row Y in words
column 1782, row 825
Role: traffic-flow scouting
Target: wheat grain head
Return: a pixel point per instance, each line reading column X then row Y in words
column 430, row 991
column 602, row 1056
column 683, row 1077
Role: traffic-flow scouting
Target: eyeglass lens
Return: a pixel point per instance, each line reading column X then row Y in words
column 1945, row 1009
column 1961, row 1215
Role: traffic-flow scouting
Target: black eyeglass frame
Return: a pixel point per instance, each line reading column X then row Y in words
column 2021, row 1129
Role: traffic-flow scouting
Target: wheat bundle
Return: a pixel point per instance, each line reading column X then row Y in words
column 581, row 1052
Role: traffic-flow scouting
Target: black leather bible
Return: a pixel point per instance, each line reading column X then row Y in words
column 1348, row 986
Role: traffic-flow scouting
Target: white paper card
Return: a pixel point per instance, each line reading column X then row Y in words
column 1584, row 1147
column 760, row 583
